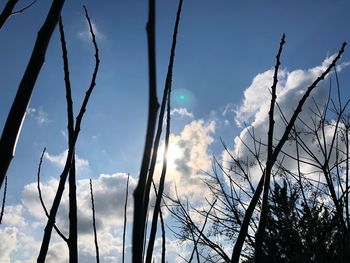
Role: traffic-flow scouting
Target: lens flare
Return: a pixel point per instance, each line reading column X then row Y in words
column 183, row 98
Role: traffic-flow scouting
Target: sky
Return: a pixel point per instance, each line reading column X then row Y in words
column 222, row 72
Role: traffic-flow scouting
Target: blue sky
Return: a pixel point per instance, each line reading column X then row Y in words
column 222, row 47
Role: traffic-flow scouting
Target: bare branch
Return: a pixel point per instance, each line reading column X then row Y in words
column 42, row 200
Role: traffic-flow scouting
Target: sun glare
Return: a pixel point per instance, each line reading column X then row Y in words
column 174, row 153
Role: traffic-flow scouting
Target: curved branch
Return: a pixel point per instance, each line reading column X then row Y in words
column 58, row 231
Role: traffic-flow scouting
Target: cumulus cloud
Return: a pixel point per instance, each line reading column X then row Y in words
column 10, row 235
column 291, row 85
column 61, row 158
column 39, row 115
column 20, row 245
column 194, row 141
column 109, row 194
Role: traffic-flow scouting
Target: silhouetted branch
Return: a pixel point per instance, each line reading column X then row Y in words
column 140, row 208
column 94, row 223
column 3, row 201
column 125, row 216
column 165, row 101
column 19, row 106
column 23, row 9
column 73, row 221
column 163, row 235
column 162, row 225
column 7, row 11
column 41, row 197
column 201, row 232
column 64, row 174
column 184, row 217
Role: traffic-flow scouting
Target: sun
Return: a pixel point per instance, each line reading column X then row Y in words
column 175, row 152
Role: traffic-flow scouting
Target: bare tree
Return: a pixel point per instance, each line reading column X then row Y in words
column 140, row 208
column 240, row 206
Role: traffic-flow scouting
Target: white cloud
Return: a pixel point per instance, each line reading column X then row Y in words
column 60, row 160
column 39, row 115
column 291, row 85
column 57, row 253
column 86, row 35
column 182, row 112
column 189, row 159
column 13, row 216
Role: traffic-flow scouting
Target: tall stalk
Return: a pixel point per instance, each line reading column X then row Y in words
column 73, row 224
column 94, row 223
column 267, row 175
column 125, row 216
column 140, row 210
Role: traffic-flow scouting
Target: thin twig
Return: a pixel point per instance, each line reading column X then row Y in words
column 94, row 223
column 7, row 11
column 23, row 9
column 125, row 216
